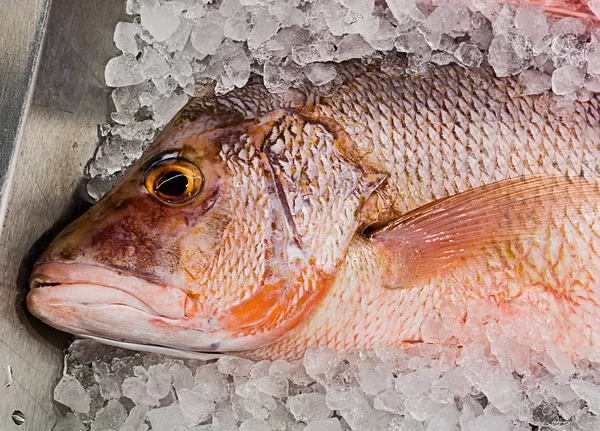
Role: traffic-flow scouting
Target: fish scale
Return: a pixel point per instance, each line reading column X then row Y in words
column 503, row 124
column 347, row 218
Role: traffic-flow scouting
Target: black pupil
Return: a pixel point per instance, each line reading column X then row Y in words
column 173, row 183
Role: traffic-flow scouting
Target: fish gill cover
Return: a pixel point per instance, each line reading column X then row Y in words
column 171, row 51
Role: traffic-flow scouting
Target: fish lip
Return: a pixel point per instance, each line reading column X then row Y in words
column 88, row 295
column 164, row 301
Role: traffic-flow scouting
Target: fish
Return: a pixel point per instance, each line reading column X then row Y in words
column 262, row 224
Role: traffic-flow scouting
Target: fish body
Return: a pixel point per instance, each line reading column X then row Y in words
column 264, row 224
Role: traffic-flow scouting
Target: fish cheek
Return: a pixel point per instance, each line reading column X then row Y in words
column 139, row 238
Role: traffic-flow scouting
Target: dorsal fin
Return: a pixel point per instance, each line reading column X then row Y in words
column 447, row 232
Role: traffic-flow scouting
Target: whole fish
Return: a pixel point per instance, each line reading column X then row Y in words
column 263, row 224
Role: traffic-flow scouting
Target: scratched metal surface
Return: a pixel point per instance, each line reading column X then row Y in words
column 58, row 137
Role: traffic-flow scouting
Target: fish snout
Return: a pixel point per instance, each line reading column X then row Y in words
column 89, row 284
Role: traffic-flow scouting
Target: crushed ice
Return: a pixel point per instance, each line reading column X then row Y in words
column 491, row 384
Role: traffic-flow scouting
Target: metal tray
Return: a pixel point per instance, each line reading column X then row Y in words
column 48, row 132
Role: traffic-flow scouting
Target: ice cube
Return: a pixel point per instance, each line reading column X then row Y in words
column 568, row 25
column 224, row 419
column 422, row 408
column 233, row 366
column 390, row 401
column 275, row 78
column 495, row 423
column 319, row 360
column 405, row 8
column 442, row 20
column 589, row 422
column 363, row 7
column 456, row 382
column 238, row 69
column 265, row 27
column 412, row 42
column 442, row 58
column 123, row 71
column 110, row 417
column 206, row 36
column 374, row 381
column 168, row 418
column 589, row 392
column 412, row 385
column 561, row 360
column 488, row 8
column 320, row 73
column 255, row 424
column 110, row 384
column 71, row 393
column 384, row 38
column 179, row 39
column 445, row 419
column 332, row 424
column 153, row 64
column 69, row 422
column 567, row 79
column 532, row 22
column 280, row 367
column 512, row 355
column 593, row 60
column 136, row 418
column 231, row 8
column 592, row 84
column 132, row 7
column 160, row 22
column 182, row 376
column 309, row 407
column 294, row 372
column 125, row 37
column 165, row 109
column 352, row 406
column 210, row 382
column 313, row 52
column 469, row 55
column 237, row 28
column 135, row 388
column 195, row 406
column 159, row 380
column 510, row 54
column 351, row 46
column 276, row 386
column 500, row 387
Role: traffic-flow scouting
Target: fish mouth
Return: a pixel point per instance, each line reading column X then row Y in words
column 89, row 285
column 122, row 310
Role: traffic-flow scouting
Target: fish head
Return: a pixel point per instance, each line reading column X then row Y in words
column 222, row 237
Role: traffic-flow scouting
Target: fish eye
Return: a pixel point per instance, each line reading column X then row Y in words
column 174, row 181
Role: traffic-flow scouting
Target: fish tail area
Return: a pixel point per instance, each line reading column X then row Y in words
column 582, row 9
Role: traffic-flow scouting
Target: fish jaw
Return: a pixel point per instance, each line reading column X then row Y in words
column 92, row 301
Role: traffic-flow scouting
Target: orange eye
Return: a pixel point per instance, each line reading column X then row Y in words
column 174, row 181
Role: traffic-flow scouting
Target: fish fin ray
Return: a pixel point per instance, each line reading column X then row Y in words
column 447, row 232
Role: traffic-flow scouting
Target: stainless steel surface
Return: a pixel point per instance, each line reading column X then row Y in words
column 58, row 137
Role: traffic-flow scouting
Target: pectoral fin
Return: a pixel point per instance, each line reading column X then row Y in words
column 444, row 234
